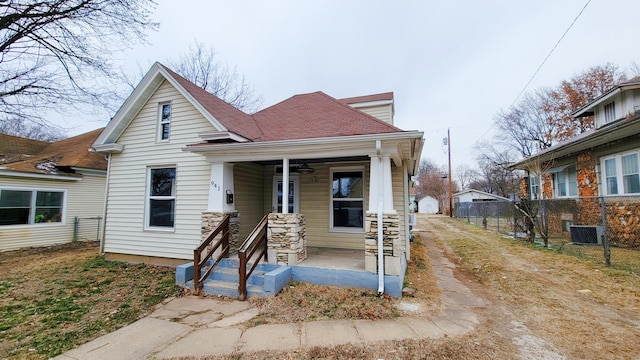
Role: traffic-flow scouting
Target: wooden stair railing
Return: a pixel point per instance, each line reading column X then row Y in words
column 199, row 260
column 247, row 250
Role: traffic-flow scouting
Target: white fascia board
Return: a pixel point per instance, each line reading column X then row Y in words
column 371, row 103
column 304, row 148
column 107, row 148
column 596, row 102
column 222, row 135
column 38, row 176
column 131, row 106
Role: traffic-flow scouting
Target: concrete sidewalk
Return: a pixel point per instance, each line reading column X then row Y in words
column 192, row 326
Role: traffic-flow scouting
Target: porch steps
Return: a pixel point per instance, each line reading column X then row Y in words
column 223, row 280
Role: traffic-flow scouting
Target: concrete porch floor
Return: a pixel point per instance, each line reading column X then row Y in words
column 331, row 258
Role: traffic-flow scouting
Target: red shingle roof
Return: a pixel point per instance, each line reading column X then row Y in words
column 63, row 154
column 367, row 98
column 316, row 115
column 233, row 119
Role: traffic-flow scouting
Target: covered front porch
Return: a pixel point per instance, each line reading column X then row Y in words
column 328, row 215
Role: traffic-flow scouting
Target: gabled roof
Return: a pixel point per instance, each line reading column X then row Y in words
column 305, row 116
column 587, row 109
column 15, row 148
column 60, row 157
column 483, row 193
column 316, row 115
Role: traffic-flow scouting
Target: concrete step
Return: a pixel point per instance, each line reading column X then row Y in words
column 225, row 288
column 231, row 275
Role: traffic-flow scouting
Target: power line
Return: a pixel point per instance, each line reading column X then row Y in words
column 541, row 65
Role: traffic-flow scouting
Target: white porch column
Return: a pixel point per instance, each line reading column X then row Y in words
column 379, row 166
column 285, row 186
column 221, row 185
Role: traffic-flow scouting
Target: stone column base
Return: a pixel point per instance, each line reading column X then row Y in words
column 286, row 239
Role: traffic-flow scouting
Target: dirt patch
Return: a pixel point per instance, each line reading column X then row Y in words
column 539, row 304
column 539, row 298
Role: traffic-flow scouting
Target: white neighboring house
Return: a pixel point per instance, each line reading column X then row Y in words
column 428, row 205
column 45, row 186
column 476, row 195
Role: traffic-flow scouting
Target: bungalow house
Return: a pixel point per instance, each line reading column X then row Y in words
column 180, row 159
column 45, row 187
column 602, row 162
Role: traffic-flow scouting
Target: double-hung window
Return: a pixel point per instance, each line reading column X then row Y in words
column 161, row 198
column 566, row 182
column 164, row 122
column 20, row 206
column 347, row 199
column 622, row 173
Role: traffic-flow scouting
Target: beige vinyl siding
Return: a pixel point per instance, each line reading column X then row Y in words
column 125, row 228
column 382, row 112
column 315, row 203
column 249, row 196
column 84, row 199
column 315, row 199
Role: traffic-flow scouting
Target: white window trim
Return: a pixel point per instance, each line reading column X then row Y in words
column 555, row 183
column 619, row 175
column 160, row 122
column 148, row 197
column 609, row 110
column 32, row 206
column 342, row 229
column 296, row 192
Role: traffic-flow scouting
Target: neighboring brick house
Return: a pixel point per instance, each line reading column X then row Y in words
column 602, row 162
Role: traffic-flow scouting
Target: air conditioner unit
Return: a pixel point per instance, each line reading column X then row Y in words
column 412, row 219
column 587, row 234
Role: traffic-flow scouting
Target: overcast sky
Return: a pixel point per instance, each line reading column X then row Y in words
column 451, row 64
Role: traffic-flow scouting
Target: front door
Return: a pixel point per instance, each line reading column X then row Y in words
column 294, row 194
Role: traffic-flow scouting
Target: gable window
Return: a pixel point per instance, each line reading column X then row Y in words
column 622, row 173
column 164, row 125
column 161, row 197
column 347, row 199
column 30, row 206
column 610, row 112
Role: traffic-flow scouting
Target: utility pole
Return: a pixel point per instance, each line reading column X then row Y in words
column 450, row 175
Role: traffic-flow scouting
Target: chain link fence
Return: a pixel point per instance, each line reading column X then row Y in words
column 601, row 229
column 87, row 228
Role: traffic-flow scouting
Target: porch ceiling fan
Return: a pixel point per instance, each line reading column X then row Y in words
column 305, row 169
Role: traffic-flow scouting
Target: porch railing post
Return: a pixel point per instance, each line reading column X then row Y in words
column 225, row 239
column 242, row 280
column 196, row 271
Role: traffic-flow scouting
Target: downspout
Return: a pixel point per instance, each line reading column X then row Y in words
column 104, row 209
column 380, row 207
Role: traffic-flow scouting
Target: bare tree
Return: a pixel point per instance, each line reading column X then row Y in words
column 23, row 128
column 200, row 65
column 56, row 54
column 465, row 175
column 543, row 117
column 495, row 175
